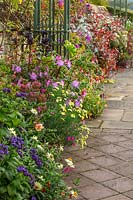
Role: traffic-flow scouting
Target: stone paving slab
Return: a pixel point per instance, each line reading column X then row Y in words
column 88, row 153
column 126, row 155
column 117, row 125
column 96, row 192
column 120, row 184
column 129, row 194
column 100, row 175
column 105, row 166
column 112, row 114
column 110, row 149
column 105, row 161
column 128, row 116
column 117, row 197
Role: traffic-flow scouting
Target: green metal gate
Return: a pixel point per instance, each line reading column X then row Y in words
column 53, row 26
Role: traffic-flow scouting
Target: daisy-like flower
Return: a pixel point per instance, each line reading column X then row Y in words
column 50, row 156
column 60, row 166
column 39, row 127
column 70, row 162
column 37, row 186
column 34, row 111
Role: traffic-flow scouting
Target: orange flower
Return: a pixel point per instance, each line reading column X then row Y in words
column 39, row 127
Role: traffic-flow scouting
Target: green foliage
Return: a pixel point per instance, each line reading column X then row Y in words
column 100, row 2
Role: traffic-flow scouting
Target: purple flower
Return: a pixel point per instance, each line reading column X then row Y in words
column 87, row 5
column 20, row 153
column 21, row 94
column 17, row 142
column 81, row 1
column 8, row 90
column 75, row 84
column 21, row 169
column 77, row 103
column 18, row 69
column 33, row 198
column 88, row 38
column 33, row 76
column 26, row 173
column 3, row 150
column 35, row 157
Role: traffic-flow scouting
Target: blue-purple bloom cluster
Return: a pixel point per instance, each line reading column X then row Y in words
column 35, row 157
column 18, row 143
column 3, row 150
column 26, row 173
column 7, row 90
column 21, row 94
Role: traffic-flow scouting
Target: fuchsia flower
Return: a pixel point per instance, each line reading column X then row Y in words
column 88, row 38
column 48, row 83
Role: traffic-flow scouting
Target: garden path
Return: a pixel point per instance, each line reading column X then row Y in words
column 104, row 169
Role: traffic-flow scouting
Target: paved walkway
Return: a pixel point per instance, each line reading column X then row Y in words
column 105, row 166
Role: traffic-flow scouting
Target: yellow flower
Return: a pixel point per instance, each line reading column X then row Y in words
column 39, row 127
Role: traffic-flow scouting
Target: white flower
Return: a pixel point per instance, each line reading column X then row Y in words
column 12, row 131
column 61, row 148
column 60, row 166
column 40, row 147
column 41, row 178
column 50, row 156
column 70, row 162
column 34, row 111
column 35, row 138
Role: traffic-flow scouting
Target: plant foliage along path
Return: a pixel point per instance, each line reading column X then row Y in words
column 104, row 169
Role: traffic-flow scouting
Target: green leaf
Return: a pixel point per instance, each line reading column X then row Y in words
column 11, row 190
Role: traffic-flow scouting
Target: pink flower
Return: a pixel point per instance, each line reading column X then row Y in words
column 33, row 76
column 60, row 3
column 60, row 63
column 68, row 63
column 55, row 84
column 75, row 84
column 84, row 92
